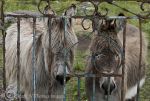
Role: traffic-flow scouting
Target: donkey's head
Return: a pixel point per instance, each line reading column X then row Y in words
column 106, row 50
column 62, row 38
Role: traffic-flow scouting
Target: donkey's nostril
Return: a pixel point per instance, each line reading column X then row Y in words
column 108, row 88
column 60, row 79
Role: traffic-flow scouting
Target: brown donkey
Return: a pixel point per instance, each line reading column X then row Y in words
column 106, row 55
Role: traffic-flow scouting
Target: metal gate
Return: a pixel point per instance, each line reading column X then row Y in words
column 77, row 77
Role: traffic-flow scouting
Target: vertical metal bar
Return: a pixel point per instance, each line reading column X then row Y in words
column 93, row 96
column 140, row 59
column 18, row 59
column 4, row 34
column 33, row 62
column 50, row 49
column 123, row 63
column 65, row 53
column 79, row 94
column 108, row 90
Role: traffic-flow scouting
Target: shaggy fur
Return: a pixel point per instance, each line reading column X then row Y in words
column 45, row 59
column 131, row 64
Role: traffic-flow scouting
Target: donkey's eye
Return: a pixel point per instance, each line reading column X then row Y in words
column 100, row 56
column 96, row 54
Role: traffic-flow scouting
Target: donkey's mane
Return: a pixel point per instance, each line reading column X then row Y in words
column 57, row 33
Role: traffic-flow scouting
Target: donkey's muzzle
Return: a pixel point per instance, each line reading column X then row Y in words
column 108, row 87
column 61, row 79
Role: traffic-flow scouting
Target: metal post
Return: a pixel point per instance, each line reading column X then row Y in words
column 18, row 59
column 3, row 33
column 93, row 96
column 50, row 49
column 140, row 60
column 65, row 53
column 33, row 62
column 79, row 94
column 123, row 63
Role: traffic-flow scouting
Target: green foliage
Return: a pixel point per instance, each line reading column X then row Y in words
column 14, row 5
column 61, row 6
column 80, row 60
column 58, row 5
column 72, row 88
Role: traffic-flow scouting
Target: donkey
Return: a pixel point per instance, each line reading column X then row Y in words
column 106, row 53
column 49, row 62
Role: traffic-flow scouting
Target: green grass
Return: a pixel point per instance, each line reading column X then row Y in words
column 80, row 60
column 80, row 57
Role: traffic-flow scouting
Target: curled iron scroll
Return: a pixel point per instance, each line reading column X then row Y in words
column 96, row 13
column 46, row 7
column 144, row 16
column 143, row 9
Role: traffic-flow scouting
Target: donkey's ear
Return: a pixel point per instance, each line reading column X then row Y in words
column 49, row 10
column 97, row 23
column 71, row 11
column 120, row 23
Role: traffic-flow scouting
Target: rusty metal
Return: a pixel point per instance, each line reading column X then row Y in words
column 136, row 14
column 3, row 34
column 142, row 8
column 46, row 7
column 18, row 59
column 75, row 17
column 123, row 63
column 50, row 53
column 142, row 4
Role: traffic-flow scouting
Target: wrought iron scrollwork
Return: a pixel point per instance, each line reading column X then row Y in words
column 142, row 5
column 96, row 13
column 143, row 9
column 45, row 8
column 136, row 14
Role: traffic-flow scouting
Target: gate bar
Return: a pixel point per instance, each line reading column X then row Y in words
column 123, row 63
column 140, row 60
column 4, row 34
column 65, row 54
column 93, row 87
column 18, row 59
column 33, row 62
column 50, row 52
column 79, row 93
column 75, row 17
